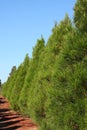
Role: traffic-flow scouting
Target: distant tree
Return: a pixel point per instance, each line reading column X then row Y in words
column 7, row 87
column 19, row 83
column 10, row 84
column 0, row 83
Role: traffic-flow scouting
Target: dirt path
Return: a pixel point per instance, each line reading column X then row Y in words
column 11, row 120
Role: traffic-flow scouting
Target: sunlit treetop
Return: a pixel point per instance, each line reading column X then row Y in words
column 80, row 15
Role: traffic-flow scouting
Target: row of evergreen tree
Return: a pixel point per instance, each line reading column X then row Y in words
column 51, row 87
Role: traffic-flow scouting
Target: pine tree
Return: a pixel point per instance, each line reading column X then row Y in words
column 8, row 85
column 80, row 15
column 42, row 80
column 52, row 88
column 22, row 70
column 11, row 80
column 0, row 86
column 66, row 106
column 29, row 79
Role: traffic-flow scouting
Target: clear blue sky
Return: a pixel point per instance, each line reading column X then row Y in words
column 22, row 22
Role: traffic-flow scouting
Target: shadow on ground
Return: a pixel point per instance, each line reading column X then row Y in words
column 11, row 120
column 8, row 121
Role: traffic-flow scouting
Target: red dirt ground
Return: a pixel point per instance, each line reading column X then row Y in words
column 11, row 120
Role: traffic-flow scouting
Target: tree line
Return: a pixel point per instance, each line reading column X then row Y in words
column 51, row 87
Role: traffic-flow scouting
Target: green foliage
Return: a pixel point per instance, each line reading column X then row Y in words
column 80, row 15
column 66, row 108
column 7, row 86
column 11, row 81
column 42, row 81
column 0, row 83
column 22, row 70
column 51, row 87
column 0, row 86
column 32, row 70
